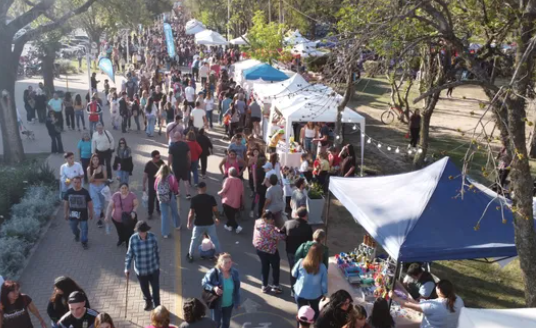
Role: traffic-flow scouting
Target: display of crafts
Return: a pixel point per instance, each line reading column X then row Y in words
column 294, row 147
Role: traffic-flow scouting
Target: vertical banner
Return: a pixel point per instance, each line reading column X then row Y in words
column 105, row 64
column 168, row 32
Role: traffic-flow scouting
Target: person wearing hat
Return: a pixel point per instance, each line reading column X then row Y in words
column 203, row 207
column 143, row 249
column 274, row 140
column 305, row 316
column 79, row 316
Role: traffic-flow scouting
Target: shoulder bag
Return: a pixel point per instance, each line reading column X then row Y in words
column 209, row 297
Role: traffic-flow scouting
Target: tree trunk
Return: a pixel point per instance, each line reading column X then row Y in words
column 48, row 69
column 521, row 183
column 11, row 140
column 341, row 106
column 532, row 149
column 424, row 139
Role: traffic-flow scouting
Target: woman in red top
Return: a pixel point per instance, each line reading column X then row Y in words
column 195, row 153
column 334, row 160
column 231, row 160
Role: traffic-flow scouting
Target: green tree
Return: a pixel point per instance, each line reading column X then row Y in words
column 265, row 39
column 17, row 32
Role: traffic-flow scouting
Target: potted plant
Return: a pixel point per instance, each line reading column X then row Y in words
column 315, row 203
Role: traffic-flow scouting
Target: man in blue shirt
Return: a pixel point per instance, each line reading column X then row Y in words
column 143, row 249
column 225, row 104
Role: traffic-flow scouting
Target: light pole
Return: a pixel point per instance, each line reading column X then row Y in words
column 228, row 19
column 88, row 49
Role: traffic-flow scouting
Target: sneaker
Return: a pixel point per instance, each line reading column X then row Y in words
column 178, row 228
column 238, row 229
column 189, row 258
column 148, row 306
column 100, row 224
column 85, row 245
column 166, row 236
column 252, row 214
column 119, row 243
column 265, row 289
column 76, row 238
column 188, row 197
column 277, row 289
column 226, row 227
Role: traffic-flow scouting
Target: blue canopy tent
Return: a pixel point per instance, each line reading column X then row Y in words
column 421, row 216
column 265, row 72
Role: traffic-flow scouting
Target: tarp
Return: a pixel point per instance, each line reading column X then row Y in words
column 211, row 38
column 495, row 318
column 420, row 215
column 240, row 41
column 264, row 92
column 194, row 26
column 265, row 72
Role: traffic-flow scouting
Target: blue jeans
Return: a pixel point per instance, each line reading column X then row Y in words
column 222, row 316
column 308, row 144
column 97, row 198
column 208, row 254
column 79, row 114
column 151, row 122
column 165, row 209
column 92, row 128
column 193, row 169
column 197, row 237
column 123, row 176
column 76, row 231
column 137, row 121
column 209, row 118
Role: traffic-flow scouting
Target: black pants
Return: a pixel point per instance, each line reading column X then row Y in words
column 59, row 117
column 30, row 113
column 203, row 160
column 195, row 73
column 262, row 200
column 69, row 117
column 312, row 303
column 57, row 145
column 85, row 164
column 154, row 280
column 269, row 260
column 152, row 199
column 230, row 214
column 124, row 124
column 123, row 232
column 414, row 133
column 106, row 157
column 291, row 262
column 232, row 129
column 41, row 113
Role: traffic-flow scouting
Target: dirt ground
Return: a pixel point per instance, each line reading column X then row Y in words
column 451, row 117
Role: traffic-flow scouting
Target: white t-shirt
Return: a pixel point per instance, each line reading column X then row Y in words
column 189, row 93
column 207, row 245
column 209, row 104
column 437, row 315
column 69, row 172
column 426, row 289
column 197, row 116
column 203, row 71
column 304, row 167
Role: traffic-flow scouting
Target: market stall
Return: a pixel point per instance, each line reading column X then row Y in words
column 210, row 38
column 307, row 49
column 240, row 41
column 264, row 72
column 295, row 38
column 497, row 318
column 240, row 66
column 422, row 216
column 194, row 26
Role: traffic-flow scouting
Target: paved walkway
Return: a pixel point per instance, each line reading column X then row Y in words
column 99, row 270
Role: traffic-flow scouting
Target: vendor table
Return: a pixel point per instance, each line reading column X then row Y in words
column 336, row 281
column 287, row 158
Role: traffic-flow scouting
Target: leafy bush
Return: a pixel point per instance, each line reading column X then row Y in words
column 371, row 67
column 316, row 64
column 38, row 203
column 26, row 228
column 315, row 191
column 13, row 252
column 65, row 66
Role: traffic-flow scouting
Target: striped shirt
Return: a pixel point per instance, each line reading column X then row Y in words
column 145, row 254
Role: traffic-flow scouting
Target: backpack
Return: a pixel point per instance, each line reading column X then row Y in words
column 163, row 191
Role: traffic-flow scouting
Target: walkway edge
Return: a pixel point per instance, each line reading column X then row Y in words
column 178, row 271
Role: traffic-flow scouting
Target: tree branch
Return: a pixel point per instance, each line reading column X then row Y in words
column 29, row 16
column 53, row 25
column 483, row 84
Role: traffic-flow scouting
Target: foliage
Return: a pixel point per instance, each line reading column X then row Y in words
column 316, row 64
column 65, row 66
column 13, row 252
column 265, row 39
column 371, row 67
column 315, row 191
column 37, row 203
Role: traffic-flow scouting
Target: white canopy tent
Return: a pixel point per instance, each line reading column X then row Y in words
column 295, row 38
column 240, row 41
column 280, row 89
column 211, row 38
column 495, row 318
column 194, row 26
column 315, row 107
column 241, row 66
column 307, row 49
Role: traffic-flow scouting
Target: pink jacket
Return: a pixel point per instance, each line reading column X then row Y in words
column 173, row 184
column 232, row 192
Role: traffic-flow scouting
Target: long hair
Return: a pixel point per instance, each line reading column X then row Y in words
column 103, row 317
column 313, row 259
column 222, row 258
column 356, row 312
column 149, row 105
column 163, row 172
column 447, row 289
column 66, row 285
column 273, row 159
column 194, row 310
column 8, row 287
column 160, row 317
column 91, row 167
column 381, row 317
column 67, row 96
column 335, row 301
column 78, row 100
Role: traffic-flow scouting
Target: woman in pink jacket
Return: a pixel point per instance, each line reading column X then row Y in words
column 167, row 188
column 232, row 195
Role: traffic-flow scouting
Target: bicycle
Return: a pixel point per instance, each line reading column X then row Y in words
column 389, row 115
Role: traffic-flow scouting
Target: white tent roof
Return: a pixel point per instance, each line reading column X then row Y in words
column 318, row 109
column 279, row 89
column 295, row 38
column 209, row 37
column 240, row 41
column 241, row 66
column 194, row 26
column 307, row 49
column 494, row 318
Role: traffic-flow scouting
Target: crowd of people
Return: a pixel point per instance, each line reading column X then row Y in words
column 158, row 95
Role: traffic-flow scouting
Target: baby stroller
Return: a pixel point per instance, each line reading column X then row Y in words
column 25, row 132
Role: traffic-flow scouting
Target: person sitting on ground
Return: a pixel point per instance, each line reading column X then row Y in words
column 207, row 250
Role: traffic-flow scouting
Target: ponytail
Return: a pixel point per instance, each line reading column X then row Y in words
column 447, row 289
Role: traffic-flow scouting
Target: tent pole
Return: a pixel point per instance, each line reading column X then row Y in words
column 362, row 147
column 395, row 277
column 327, row 214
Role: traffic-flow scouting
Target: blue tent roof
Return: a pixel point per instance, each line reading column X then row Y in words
column 265, row 72
column 421, row 216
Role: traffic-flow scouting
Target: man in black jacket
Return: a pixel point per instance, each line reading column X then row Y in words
column 298, row 231
column 123, row 111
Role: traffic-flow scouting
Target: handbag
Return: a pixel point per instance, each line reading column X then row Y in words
column 126, row 218
column 209, row 297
